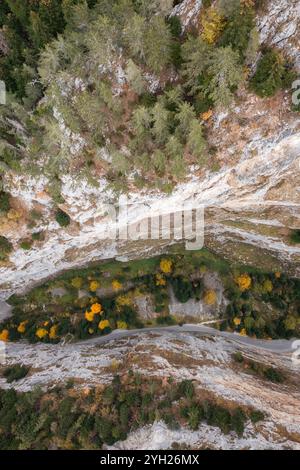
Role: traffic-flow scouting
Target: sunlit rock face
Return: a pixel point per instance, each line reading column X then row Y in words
column 251, row 200
column 279, row 26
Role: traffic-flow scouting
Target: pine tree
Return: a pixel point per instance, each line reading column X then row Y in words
column 185, row 116
column 161, row 123
column 157, row 41
column 135, row 77
column 237, row 30
column 20, row 10
column 101, row 40
column 159, row 161
column 175, row 151
column 134, row 33
column 173, row 98
column 154, row 7
column 141, row 121
column 196, row 141
column 228, row 7
column 227, row 74
column 52, row 59
column 77, row 16
column 253, row 46
column 37, row 30
column 196, row 54
column 120, row 162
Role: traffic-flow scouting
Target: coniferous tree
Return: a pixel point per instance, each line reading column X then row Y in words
column 135, row 78
column 196, row 141
column 141, row 121
column 159, row 161
column 175, row 151
column 197, row 54
column 253, row 46
column 185, row 116
column 227, row 73
column 134, row 33
column 157, row 41
column 161, row 123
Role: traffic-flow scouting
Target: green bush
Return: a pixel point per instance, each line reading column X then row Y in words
column 182, row 288
column 186, row 388
column 273, row 375
column 271, row 74
column 5, row 248
column 256, row 416
column 295, row 236
column 16, row 372
column 238, row 420
column 175, row 25
column 62, row 218
column 37, row 236
column 238, row 357
column 26, row 244
column 176, row 55
column 4, row 202
column 237, row 31
column 165, row 320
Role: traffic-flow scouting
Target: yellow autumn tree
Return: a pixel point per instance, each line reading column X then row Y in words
column 116, row 285
column 243, row 332
column 91, row 331
column 212, row 25
column 291, row 322
column 89, row 316
column 243, row 281
column 22, row 327
column 123, row 300
column 96, row 308
column 160, row 280
column 41, row 333
column 267, row 286
column 237, row 321
column 77, row 282
column 103, row 324
column 94, row 285
column 210, row 297
column 122, row 325
column 166, row 265
column 4, row 335
column 53, row 332
column 207, row 115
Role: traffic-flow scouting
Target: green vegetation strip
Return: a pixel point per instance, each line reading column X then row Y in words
column 84, row 303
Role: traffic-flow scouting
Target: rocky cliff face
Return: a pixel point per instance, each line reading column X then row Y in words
column 207, row 361
column 251, row 203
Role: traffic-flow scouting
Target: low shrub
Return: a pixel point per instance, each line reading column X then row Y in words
column 62, row 218
column 165, row 320
column 175, row 25
column 5, row 247
column 37, row 236
column 4, row 202
column 256, row 416
column 295, row 236
column 25, row 244
column 16, row 372
column 274, row 375
column 271, row 75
